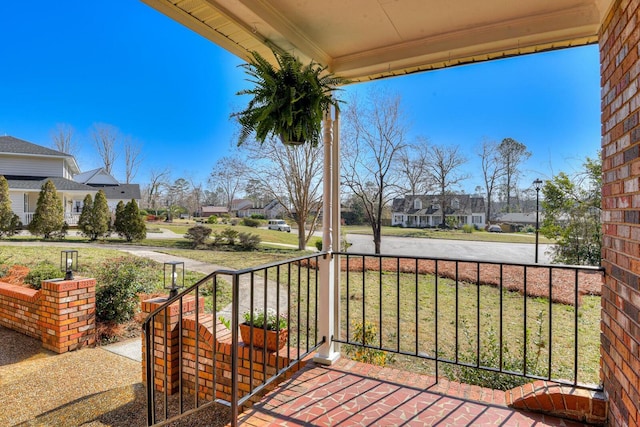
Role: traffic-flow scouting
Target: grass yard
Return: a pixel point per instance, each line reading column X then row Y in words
column 432, row 233
column 415, row 301
column 403, row 310
column 237, row 260
column 405, row 320
column 271, row 236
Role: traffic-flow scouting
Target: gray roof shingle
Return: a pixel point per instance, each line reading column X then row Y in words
column 122, row 191
column 9, row 144
column 36, row 183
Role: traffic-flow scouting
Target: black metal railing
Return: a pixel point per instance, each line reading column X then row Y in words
column 527, row 321
column 177, row 381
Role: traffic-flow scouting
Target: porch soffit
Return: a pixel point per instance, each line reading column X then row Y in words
column 369, row 39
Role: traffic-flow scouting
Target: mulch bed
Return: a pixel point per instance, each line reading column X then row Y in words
column 537, row 278
column 15, row 274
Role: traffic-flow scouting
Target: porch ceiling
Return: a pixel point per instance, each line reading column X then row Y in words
column 369, row 39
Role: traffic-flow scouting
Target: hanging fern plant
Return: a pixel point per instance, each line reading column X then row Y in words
column 289, row 101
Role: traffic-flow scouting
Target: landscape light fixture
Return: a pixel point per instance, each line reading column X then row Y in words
column 537, row 185
column 176, row 280
column 68, row 263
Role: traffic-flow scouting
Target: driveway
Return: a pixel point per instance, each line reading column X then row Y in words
column 458, row 249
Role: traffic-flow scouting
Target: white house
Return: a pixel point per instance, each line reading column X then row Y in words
column 422, row 211
column 270, row 210
column 27, row 166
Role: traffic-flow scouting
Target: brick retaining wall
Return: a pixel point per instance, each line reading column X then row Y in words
column 61, row 314
column 208, row 377
column 19, row 309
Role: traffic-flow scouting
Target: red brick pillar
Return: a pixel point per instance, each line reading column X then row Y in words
column 166, row 321
column 620, row 338
column 67, row 314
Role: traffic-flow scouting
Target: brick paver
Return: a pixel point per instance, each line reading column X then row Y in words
column 355, row 394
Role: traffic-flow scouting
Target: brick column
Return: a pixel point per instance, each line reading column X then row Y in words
column 620, row 338
column 67, row 314
column 166, row 321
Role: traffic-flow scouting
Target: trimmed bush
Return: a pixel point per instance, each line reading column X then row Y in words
column 467, row 228
column 44, row 270
column 251, row 222
column 119, row 281
column 212, row 219
column 248, row 241
column 229, row 235
column 198, row 234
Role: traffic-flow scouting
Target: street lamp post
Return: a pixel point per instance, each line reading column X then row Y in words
column 537, row 183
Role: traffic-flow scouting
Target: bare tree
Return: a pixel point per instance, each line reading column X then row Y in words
column 374, row 137
column 512, row 154
column 229, row 174
column 195, row 197
column 444, row 164
column 493, row 170
column 105, row 138
column 157, row 181
column 291, row 175
column 412, row 165
column 132, row 159
column 62, row 137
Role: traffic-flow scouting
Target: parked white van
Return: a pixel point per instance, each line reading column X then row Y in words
column 279, row 224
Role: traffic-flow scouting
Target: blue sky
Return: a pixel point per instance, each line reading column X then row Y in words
column 122, row 63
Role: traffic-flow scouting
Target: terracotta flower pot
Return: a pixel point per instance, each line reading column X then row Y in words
column 272, row 343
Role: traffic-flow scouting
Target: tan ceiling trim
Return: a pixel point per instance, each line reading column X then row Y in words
column 505, row 35
column 375, row 72
column 201, row 28
column 289, row 32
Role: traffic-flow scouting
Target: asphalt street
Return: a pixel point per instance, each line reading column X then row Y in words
column 458, row 249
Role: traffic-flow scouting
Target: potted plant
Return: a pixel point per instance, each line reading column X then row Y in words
column 289, row 101
column 253, row 329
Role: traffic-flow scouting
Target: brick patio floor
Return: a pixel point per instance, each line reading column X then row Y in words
column 356, row 394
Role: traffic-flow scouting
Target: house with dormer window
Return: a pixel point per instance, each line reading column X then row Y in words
column 27, row 166
column 422, row 211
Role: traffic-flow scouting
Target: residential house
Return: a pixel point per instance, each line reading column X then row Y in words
column 207, row 211
column 241, row 207
column 27, row 166
column 113, row 190
column 516, row 221
column 270, row 210
column 422, row 211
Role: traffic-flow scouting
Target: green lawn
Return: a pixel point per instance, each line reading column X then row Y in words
column 433, row 233
column 406, row 311
column 271, row 236
column 413, row 299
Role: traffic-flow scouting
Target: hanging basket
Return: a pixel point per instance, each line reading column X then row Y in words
column 285, row 141
column 272, row 341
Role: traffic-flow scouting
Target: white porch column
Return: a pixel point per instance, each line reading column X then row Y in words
column 327, row 303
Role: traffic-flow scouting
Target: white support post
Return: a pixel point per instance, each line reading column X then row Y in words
column 336, row 218
column 326, row 315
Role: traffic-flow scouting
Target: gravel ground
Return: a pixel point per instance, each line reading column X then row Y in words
column 89, row 387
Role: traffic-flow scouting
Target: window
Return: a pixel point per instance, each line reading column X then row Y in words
column 476, row 219
column 455, row 204
column 26, row 202
column 417, row 204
